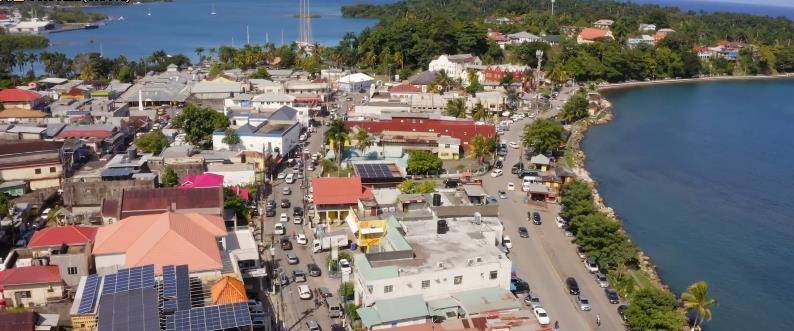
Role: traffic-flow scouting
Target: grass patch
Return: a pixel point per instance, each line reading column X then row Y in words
column 641, row 279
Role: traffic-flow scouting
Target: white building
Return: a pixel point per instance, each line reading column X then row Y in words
column 355, row 82
column 454, row 65
column 239, row 174
column 34, row 26
column 272, row 101
column 435, row 266
column 605, row 24
column 271, row 136
column 266, row 86
column 522, row 37
column 647, row 27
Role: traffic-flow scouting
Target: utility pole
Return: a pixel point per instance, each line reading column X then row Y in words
column 552, row 8
column 247, row 36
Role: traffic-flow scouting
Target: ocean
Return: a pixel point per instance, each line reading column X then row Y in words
column 701, row 176
column 726, row 6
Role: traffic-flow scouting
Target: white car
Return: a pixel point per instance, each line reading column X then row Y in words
column 506, row 242
column 513, row 145
column 283, row 218
column 560, row 222
column 279, row 229
column 542, row 316
column 344, row 266
column 305, row 151
column 302, row 240
column 304, row 292
column 297, row 220
column 497, row 173
column 591, row 265
column 511, row 186
column 282, row 175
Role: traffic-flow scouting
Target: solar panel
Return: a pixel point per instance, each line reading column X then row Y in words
column 182, row 287
column 129, row 279
column 90, row 293
column 218, row 317
column 110, row 284
column 130, row 310
column 176, row 288
column 377, row 170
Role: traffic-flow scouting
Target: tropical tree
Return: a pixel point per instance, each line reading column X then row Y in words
column 362, row 139
column 200, row 53
column 481, row 148
column 696, row 300
column 199, row 123
column 456, row 108
column 575, row 109
column 260, row 73
column 479, row 112
column 443, row 80
column 423, row 162
column 335, row 137
column 543, row 136
column 231, row 138
column 152, row 142
column 558, row 75
column 474, row 82
column 170, row 179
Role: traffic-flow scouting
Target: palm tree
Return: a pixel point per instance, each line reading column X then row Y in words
column 212, row 51
column 456, row 108
column 335, row 137
column 443, row 80
column 696, row 299
column 200, row 53
column 558, row 75
column 363, row 139
column 479, row 112
column 480, row 148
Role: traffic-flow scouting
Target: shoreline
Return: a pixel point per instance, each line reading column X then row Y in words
column 625, row 85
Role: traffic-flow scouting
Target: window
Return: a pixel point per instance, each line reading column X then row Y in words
column 38, row 171
column 24, row 294
column 52, row 169
column 388, row 289
column 458, row 280
column 71, row 270
column 425, row 283
column 494, row 274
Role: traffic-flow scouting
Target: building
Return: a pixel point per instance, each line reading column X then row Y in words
column 494, row 74
column 642, row 40
column 28, row 320
column 34, row 26
column 335, row 197
column 162, row 239
column 522, row 37
column 271, row 136
column 272, row 101
column 355, row 82
column 89, row 199
column 145, row 201
column 24, row 99
column 604, row 24
column 266, row 86
column 234, row 174
column 591, row 35
column 31, row 286
column 21, row 115
column 403, row 92
column 395, row 313
column 39, row 163
column 423, row 79
column 454, row 65
column 167, row 89
column 73, row 260
column 422, row 257
column 228, row 290
column 461, row 129
column 647, row 27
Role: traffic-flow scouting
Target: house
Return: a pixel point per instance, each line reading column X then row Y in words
column 271, row 136
column 21, row 115
column 234, row 174
column 228, row 290
column 335, row 197
column 167, row 89
column 272, row 101
column 403, row 92
column 454, row 65
column 25, row 132
column 461, row 129
column 395, row 313
column 377, row 173
column 540, row 162
column 522, row 37
column 162, row 239
column 423, row 79
column 101, row 138
column 552, row 40
column 28, row 320
column 647, row 27
column 642, row 40
column 355, row 82
column 40, row 163
column 204, row 180
column 266, row 86
column 146, row 201
column 24, row 99
column 493, row 74
column 604, row 24
column 239, row 102
column 68, row 248
column 31, row 286
column 89, row 199
column 449, row 148
column 591, row 35
column 496, row 36
column 34, row 26
column 319, row 89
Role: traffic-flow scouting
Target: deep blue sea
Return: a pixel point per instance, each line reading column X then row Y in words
column 701, row 175
column 181, row 26
column 727, row 6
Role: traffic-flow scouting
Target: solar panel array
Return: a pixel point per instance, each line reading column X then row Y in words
column 209, row 318
column 133, row 310
column 378, row 170
column 129, row 279
column 176, row 288
column 90, row 294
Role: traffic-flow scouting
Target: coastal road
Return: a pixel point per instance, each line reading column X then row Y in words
column 547, row 257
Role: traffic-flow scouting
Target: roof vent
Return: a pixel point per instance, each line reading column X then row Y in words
column 479, row 259
column 440, row 265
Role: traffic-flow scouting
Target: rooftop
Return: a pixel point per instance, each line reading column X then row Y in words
column 397, row 309
column 36, row 274
column 56, row 236
column 228, row 290
column 18, row 95
column 338, row 190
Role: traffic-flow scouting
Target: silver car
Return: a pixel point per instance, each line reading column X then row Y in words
column 602, row 280
column 584, row 304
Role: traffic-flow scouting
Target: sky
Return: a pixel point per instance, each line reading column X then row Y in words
column 787, row 3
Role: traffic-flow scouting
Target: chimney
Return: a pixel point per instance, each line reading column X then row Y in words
column 140, row 99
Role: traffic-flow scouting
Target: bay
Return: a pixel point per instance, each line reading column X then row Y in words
column 701, row 176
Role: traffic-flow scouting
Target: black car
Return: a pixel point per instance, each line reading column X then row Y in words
column 518, row 286
column 285, row 203
column 297, row 211
column 314, row 270
column 622, row 311
column 612, row 296
column 523, row 233
column 270, row 212
column 499, row 164
column 573, row 286
column 286, row 244
column 271, row 204
column 536, row 218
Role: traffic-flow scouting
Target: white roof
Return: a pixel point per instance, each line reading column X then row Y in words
column 539, row 159
column 53, row 80
column 273, row 97
column 208, row 87
column 26, row 129
column 356, row 78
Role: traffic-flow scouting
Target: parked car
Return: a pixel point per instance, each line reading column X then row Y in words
column 496, row 173
column 511, row 186
column 312, row 325
column 580, row 252
column 297, row 211
column 270, row 212
column 612, row 295
column 572, row 285
column 283, row 217
column 283, row 279
column 622, row 311
column 314, row 270
column 502, row 194
column 304, row 292
column 286, row 190
column 518, row 286
column 536, row 218
column 523, row 232
column 344, row 266
column 532, row 301
column 279, row 229
column 285, row 203
column 499, row 165
column 292, row 258
column 297, row 220
column 602, row 280
column 302, row 240
column 542, row 316
column 560, row 222
column 584, row 304
column 591, row 265
column 298, row 276
column 285, row 243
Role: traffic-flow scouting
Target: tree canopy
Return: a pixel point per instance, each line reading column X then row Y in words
column 152, row 142
column 654, row 309
column 576, row 107
column 423, row 162
column 170, row 179
column 199, row 123
column 543, row 136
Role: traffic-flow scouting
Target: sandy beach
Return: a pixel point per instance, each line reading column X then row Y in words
column 611, row 86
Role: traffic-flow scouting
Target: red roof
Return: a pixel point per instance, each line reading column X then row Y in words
column 461, row 129
column 158, row 200
column 405, row 88
column 17, row 95
column 339, row 190
column 93, row 133
column 593, row 33
column 25, row 320
column 202, row 180
column 70, row 235
column 37, row 274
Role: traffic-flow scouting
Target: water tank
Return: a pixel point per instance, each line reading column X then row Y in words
column 132, row 154
column 436, row 199
column 442, row 227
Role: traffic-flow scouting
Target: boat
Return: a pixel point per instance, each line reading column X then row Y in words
column 149, row 13
column 121, row 18
column 213, row 9
column 91, row 26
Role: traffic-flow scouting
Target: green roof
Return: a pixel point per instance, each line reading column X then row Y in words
column 440, row 307
column 395, row 238
column 370, row 273
column 486, row 299
column 394, row 310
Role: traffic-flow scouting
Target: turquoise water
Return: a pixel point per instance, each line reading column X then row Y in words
column 701, row 175
column 181, row 26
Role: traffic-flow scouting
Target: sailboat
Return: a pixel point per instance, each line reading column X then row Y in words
column 213, row 9
column 149, row 13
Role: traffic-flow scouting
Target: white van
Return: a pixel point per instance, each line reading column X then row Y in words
column 289, row 179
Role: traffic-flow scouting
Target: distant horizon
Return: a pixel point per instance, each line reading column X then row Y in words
column 776, row 3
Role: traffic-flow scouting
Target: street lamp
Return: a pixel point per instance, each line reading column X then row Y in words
column 552, row 8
